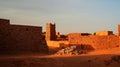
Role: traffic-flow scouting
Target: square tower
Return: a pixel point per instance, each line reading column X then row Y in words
column 50, row 31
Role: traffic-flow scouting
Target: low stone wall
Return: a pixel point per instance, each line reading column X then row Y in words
column 57, row 44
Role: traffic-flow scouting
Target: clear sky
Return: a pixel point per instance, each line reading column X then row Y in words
column 69, row 15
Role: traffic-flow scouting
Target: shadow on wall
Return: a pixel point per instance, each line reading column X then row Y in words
column 21, row 39
column 13, row 49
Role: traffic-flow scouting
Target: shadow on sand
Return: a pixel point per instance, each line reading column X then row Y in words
column 64, row 61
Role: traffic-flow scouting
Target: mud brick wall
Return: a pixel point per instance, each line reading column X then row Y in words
column 21, row 39
column 94, row 41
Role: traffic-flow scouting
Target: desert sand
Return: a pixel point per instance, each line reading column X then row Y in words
column 96, row 58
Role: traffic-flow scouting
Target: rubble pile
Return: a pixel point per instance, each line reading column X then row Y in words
column 69, row 51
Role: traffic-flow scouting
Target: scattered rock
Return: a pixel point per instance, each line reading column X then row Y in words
column 70, row 51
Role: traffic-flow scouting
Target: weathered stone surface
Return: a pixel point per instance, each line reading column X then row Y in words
column 50, row 31
column 96, row 42
column 21, row 39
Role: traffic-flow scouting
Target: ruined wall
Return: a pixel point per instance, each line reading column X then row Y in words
column 21, row 39
column 94, row 41
column 50, row 31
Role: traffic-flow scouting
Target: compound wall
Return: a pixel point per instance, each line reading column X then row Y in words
column 21, row 39
column 94, row 41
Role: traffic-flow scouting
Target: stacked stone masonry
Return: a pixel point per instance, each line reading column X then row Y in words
column 50, row 32
column 21, row 38
column 94, row 41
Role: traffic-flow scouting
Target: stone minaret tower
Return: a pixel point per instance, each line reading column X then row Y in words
column 50, row 31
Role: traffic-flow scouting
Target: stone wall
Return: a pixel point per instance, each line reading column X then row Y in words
column 94, row 41
column 104, row 33
column 57, row 44
column 21, row 39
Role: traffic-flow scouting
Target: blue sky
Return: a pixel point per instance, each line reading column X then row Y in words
column 69, row 15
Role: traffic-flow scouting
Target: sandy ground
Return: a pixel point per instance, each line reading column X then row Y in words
column 98, row 58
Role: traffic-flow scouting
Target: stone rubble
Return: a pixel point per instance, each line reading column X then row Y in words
column 69, row 51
